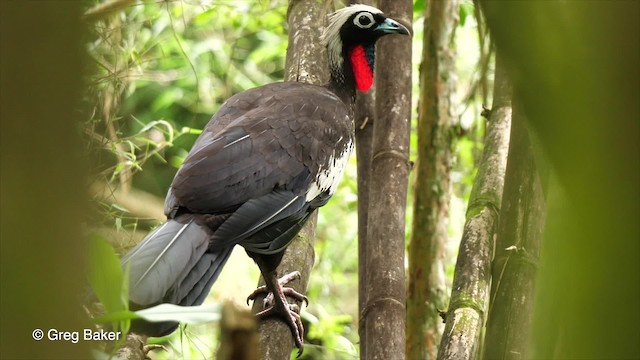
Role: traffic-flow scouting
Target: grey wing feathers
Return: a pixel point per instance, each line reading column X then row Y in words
column 255, row 215
column 275, row 237
column 194, row 288
column 166, row 265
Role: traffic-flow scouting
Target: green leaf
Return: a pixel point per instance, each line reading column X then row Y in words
column 183, row 314
column 116, row 317
column 159, row 124
column 120, row 208
column 176, row 161
column 105, row 274
column 107, row 280
column 124, row 297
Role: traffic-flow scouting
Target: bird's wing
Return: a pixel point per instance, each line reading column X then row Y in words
column 275, row 237
column 257, row 214
column 253, row 147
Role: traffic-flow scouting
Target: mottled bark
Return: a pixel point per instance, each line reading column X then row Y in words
column 580, row 92
column 517, row 250
column 470, row 292
column 384, row 313
column 436, row 117
column 43, row 188
column 133, row 348
column 306, row 62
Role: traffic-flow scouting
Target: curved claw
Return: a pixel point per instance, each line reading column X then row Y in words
column 260, row 290
column 296, row 295
column 292, row 319
column 275, row 303
column 284, row 280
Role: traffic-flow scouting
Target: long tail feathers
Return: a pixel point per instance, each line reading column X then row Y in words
column 171, row 265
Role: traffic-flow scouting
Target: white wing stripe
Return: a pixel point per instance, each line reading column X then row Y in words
column 153, row 235
column 162, row 253
column 235, row 141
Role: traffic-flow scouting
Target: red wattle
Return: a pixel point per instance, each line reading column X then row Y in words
column 361, row 69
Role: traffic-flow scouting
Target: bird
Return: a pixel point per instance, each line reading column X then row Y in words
column 265, row 161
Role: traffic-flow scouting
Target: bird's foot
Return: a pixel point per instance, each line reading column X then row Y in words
column 287, row 291
column 292, row 318
column 276, row 303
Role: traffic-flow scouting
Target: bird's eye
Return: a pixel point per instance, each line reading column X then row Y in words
column 364, row 20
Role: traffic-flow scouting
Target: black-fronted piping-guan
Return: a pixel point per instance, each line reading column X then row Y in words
column 268, row 158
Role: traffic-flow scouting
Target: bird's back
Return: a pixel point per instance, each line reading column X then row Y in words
column 277, row 136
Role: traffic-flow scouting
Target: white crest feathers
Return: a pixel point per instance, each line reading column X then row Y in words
column 331, row 36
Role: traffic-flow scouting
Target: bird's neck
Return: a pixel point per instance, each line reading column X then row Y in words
column 342, row 83
column 353, row 72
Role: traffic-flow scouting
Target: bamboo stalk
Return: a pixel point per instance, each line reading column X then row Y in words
column 470, row 293
column 517, row 250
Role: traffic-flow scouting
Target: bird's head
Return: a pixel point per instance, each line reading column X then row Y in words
column 351, row 36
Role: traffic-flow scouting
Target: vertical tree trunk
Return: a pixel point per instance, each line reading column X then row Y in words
column 436, row 113
column 580, row 91
column 469, row 295
column 42, row 199
column 384, row 312
column 364, row 118
column 517, row 250
column 306, row 62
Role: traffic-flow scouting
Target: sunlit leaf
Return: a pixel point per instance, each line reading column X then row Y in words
column 183, row 314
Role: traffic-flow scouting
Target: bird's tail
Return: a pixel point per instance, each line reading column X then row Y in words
column 172, row 265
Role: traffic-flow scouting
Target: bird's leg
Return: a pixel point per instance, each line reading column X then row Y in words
column 290, row 292
column 279, row 304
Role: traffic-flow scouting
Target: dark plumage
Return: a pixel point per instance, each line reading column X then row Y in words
column 267, row 159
